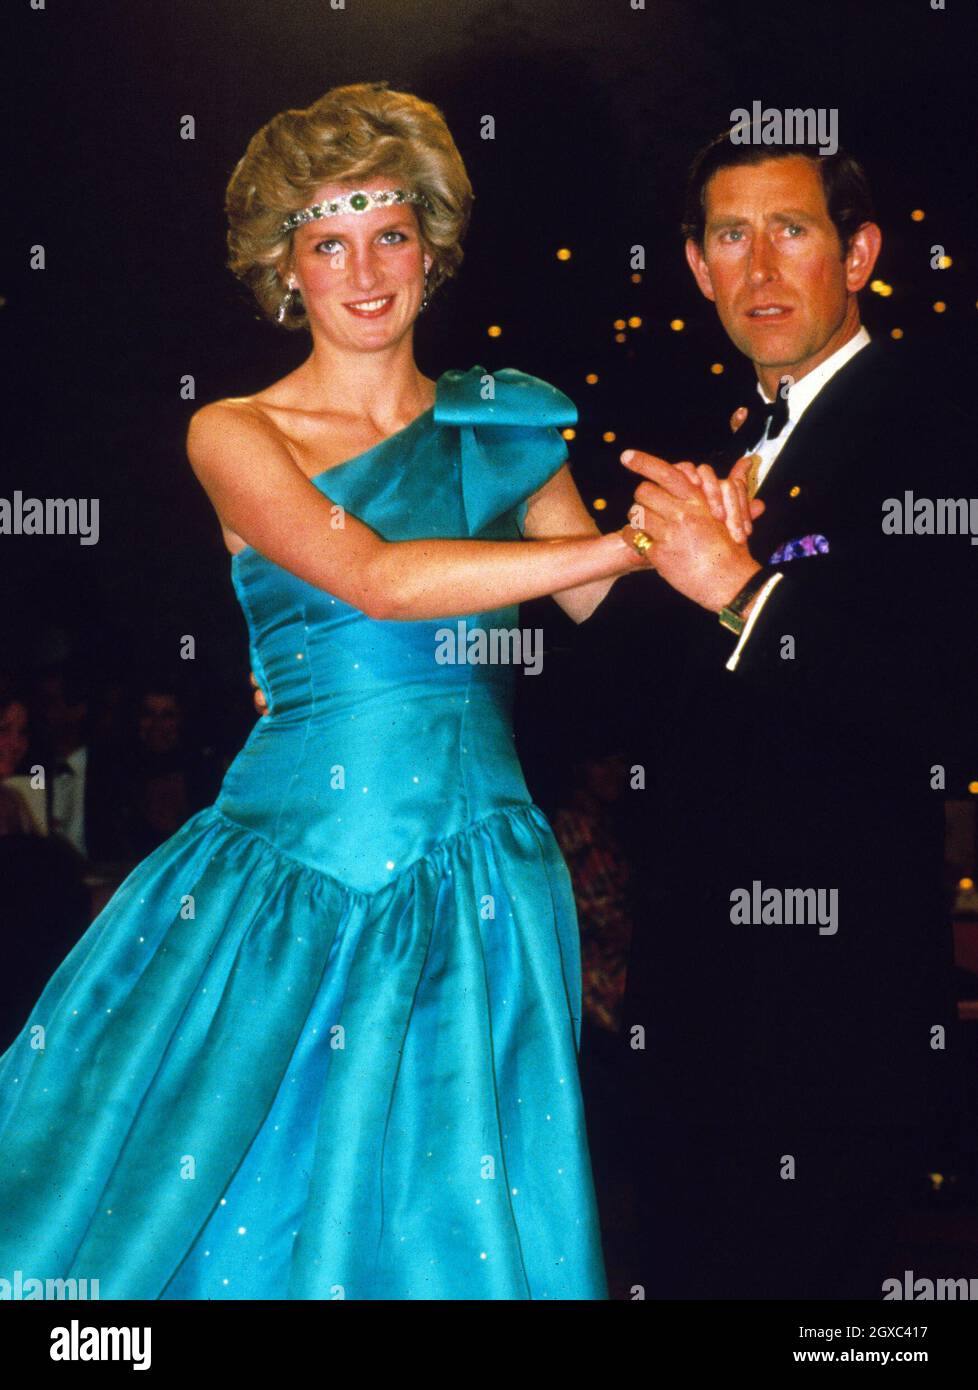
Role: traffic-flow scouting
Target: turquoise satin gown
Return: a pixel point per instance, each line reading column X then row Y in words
column 322, row 1043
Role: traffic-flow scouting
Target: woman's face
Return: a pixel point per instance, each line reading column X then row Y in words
column 361, row 275
column 13, row 737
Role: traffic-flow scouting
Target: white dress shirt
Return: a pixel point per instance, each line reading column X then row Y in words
column 800, row 396
column 68, row 799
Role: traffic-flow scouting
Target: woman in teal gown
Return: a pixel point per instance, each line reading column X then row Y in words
column 322, row 1042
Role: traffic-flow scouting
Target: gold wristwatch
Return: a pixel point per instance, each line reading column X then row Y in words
column 731, row 616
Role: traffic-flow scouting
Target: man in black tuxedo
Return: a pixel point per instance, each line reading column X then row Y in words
column 789, row 1024
column 85, row 798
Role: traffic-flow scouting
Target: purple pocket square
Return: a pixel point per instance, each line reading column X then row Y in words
column 794, row 550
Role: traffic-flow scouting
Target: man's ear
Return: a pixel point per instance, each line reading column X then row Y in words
column 696, row 263
column 864, row 250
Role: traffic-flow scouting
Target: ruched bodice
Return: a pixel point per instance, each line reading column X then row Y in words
column 321, row 1043
column 367, row 731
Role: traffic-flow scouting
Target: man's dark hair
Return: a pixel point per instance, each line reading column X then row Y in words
column 844, row 183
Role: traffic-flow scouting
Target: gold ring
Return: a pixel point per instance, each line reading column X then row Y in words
column 640, row 540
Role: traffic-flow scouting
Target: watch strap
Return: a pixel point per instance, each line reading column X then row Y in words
column 731, row 616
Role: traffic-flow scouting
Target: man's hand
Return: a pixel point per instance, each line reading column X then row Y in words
column 729, row 499
column 692, row 548
column 260, row 703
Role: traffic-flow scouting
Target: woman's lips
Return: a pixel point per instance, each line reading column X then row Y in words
column 370, row 308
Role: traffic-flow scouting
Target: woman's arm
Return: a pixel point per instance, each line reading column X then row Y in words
column 259, row 493
column 557, row 510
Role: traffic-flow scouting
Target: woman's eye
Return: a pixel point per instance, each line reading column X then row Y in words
column 331, row 242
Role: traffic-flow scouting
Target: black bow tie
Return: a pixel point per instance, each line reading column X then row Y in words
column 774, row 413
column 761, row 415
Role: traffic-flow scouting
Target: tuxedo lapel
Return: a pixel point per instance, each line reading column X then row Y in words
column 802, row 484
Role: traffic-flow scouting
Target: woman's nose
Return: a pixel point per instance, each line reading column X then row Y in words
column 363, row 269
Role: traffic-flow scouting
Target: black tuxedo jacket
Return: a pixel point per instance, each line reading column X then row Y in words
column 106, row 813
column 815, row 765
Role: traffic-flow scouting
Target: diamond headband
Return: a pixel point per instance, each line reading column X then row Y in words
column 358, row 201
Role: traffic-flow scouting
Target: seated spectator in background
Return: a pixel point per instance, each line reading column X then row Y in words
column 15, row 813
column 590, row 837
column 13, row 727
column 44, row 902
column 15, row 819
column 170, row 777
column 594, row 821
column 85, row 792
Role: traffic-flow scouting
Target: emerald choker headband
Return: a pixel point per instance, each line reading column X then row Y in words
column 358, row 201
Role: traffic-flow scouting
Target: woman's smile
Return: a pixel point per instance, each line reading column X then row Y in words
column 370, row 308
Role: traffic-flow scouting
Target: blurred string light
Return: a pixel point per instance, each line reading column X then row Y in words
column 620, row 338
column 973, row 788
column 917, row 215
column 619, row 324
column 636, row 277
column 569, row 433
column 896, row 333
column 599, row 504
column 939, row 306
column 591, row 378
column 609, row 436
column 635, row 321
column 677, row 325
column 494, row 331
column 966, row 883
column 944, row 262
column 716, row 368
column 881, row 287
column 563, row 254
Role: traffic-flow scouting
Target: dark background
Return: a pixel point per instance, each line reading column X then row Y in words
column 598, row 110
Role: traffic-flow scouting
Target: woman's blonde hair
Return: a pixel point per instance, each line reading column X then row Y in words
column 348, row 136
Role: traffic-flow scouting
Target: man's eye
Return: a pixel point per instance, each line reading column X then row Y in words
column 733, row 233
column 794, row 227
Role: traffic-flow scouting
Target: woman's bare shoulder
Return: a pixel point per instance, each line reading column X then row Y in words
column 228, row 439
column 229, row 419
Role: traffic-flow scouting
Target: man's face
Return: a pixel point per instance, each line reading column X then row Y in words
column 13, row 737
column 159, row 723
column 772, row 263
